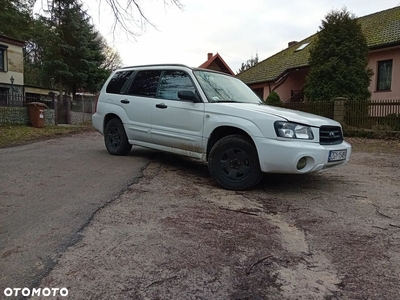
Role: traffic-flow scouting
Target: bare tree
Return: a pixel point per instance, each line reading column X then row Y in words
column 248, row 64
column 130, row 17
column 112, row 60
column 128, row 14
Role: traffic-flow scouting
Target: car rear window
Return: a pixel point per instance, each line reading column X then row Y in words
column 117, row 82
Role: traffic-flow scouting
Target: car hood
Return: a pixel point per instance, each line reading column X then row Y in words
column 250, row 110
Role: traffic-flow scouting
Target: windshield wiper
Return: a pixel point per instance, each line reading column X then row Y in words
column 226, row 101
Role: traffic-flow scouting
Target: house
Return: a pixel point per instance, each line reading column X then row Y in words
column 286, row 71
column 12, row 75
column 216, row 63
column 11, row 69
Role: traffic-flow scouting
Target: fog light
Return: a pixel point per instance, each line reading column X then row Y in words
column 301, row 163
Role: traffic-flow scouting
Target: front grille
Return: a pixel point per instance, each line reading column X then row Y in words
column 330, row 135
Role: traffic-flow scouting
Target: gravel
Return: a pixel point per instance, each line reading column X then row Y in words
column 176, row 235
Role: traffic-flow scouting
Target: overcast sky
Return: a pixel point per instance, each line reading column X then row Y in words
column 237, row 30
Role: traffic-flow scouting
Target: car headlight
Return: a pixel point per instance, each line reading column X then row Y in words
column 293, row 131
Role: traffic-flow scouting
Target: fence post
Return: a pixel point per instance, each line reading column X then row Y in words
column 68, row 109
column 55, row 106
column 339, row 109
column 83, row 109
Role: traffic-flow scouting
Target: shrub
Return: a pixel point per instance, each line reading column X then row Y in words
column 273, row 99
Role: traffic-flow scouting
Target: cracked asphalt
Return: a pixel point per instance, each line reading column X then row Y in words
column 49, row 191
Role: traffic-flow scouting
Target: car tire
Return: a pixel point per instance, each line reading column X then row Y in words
column 115, row 138
column 233, row 163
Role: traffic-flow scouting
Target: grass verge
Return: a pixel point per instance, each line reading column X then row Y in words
column 13, row 135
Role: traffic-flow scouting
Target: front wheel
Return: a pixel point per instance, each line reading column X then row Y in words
column 233, row 163
column 115, row 138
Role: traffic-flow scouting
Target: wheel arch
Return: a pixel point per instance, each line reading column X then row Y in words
column 223, row 131
column 109, row 117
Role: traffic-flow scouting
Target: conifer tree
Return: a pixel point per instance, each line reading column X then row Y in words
column 15, row 19
column 66, row 51
column 339, row 60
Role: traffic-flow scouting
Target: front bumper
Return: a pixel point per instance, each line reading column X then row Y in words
column 282, row 156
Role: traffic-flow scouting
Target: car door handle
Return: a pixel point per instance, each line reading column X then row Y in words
column 161, row 105
column 125, row 101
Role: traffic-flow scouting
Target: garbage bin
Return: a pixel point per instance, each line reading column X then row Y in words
column 36, row 114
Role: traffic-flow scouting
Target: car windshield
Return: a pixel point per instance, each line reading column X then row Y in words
column 223, row 88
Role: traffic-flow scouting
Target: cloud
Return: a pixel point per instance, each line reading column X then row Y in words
column 236, row 30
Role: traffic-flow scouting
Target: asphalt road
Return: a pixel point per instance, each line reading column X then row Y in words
column 49, row 191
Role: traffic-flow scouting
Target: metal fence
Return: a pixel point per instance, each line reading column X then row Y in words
column 82, row 108
column 12, row 100
column 379, row 115
column 14, row 109
column 84, row 104
column 322, row 108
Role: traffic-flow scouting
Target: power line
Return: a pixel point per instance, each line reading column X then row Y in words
column 240, row 59
column 224, row 55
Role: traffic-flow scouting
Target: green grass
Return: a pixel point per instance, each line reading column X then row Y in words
column 13, row 135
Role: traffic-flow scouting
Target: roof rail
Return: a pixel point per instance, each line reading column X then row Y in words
column 158, row 65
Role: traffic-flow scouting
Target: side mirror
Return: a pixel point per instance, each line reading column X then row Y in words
column 189, row 96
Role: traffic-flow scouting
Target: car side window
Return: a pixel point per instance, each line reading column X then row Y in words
column 173, row 81
column 117, row 82
column 145, row 83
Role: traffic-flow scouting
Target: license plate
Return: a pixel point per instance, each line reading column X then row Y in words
column 337, row 155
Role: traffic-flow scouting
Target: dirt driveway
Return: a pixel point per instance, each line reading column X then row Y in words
column 176, row 235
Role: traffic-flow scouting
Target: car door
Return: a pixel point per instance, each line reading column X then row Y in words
column 138, row 103
column 177, row 123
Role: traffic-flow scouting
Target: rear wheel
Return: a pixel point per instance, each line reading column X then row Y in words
column 115, row 138
column 233, row 163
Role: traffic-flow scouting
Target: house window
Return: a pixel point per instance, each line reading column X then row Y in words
column 259, row 92
column 385, row 75
column 2, row 59
column 302, row 46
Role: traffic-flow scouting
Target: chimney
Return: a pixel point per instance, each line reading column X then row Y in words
column 292, row 43
column 209, row 56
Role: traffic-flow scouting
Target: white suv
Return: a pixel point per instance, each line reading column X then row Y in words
column 216, row 118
